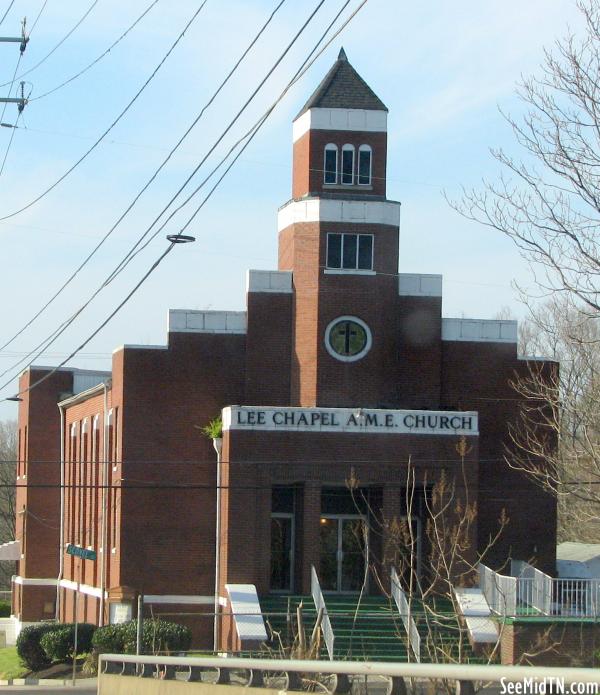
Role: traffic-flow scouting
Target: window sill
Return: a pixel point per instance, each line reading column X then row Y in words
column 347, row 186
column 347, row 271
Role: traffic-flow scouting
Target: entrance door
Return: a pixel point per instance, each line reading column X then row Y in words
column 282, row 552
column 344, row 552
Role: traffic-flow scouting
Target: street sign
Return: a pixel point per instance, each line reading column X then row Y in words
column 83, row 553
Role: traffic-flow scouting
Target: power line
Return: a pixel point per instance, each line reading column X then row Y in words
column 58, row 45
column 303, row 69
column 113, row 124
column 37, row 19
column 12, row 2
column 140, row 192
column 102, row 55
column 12, row 135
column 50, row 339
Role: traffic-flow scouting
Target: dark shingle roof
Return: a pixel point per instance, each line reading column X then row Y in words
column 343, row 88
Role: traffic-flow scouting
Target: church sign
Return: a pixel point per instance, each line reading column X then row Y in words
column 356, row 420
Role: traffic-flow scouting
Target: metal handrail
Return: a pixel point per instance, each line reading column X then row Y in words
column 317, row 594
column 412, row 633
column 459, row 672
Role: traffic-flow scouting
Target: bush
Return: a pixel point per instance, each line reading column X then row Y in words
column 157, row 636
column 5, row 609
column 59, row 644
column 29, row 648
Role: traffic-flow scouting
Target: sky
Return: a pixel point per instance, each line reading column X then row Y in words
column 446, row 72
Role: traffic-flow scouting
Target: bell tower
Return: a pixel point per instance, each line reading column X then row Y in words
column 339, row 236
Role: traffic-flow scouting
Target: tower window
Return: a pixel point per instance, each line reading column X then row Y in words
column 348, row 164
column 350, row 251
column 330, row 164
column 364, row 165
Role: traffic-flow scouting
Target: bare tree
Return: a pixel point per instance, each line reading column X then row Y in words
column 8, row 458
column 561, row 407
column 548, row 203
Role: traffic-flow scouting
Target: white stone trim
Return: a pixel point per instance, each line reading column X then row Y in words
column 479, row 330
column 33, row 581
column 82, row 588
column 180, row 599
column 279, row 281
column 349, row 211
column 132, row 346
column 348, row 271
column 340, row 119
column 351, row 420
column 419, row 285
column 188, row 321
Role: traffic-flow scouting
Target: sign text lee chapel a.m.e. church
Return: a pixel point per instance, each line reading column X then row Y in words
column 350, row 420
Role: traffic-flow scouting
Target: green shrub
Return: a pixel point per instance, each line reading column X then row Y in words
column 59, row 644
column 157, row 636
column 4, row 609
column 29, row 648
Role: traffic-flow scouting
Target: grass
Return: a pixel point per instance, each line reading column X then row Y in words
column 10, row 664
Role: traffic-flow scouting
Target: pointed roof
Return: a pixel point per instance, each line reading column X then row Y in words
column 343, row 88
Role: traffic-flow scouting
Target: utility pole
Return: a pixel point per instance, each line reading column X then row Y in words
column 22, row 40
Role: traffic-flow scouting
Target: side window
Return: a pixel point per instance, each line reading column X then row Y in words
column 350, row 251
column 330, row 164
column 348, row 165
column 364, row 165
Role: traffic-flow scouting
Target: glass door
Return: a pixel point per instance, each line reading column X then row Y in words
column 282, row 552
column 344, row 552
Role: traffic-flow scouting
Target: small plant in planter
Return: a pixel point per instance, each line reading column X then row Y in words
column 214, row 429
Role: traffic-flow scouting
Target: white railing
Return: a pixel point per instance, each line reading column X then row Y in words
column 412, row 633
column 130, row 665
column 317, row 594
column 550, row 596
column 576, row 597
column 499, row 590
column 534, row 587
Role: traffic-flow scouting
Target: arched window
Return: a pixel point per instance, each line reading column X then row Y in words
column 364, row 165
column 330, row 164
column 348, row 165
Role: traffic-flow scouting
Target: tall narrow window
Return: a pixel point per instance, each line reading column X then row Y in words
column 330, row 164
column 364, row 165
column 350, row 251
column 348, row 164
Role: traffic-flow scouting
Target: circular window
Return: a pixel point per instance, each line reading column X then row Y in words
column 347, row 338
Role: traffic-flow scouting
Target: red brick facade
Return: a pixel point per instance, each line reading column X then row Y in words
column 140, row 478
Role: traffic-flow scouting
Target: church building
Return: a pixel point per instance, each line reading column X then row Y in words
column 348, row 405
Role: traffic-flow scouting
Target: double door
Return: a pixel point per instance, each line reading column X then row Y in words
column 344, row 552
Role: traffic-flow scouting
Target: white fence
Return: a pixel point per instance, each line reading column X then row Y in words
column 499, row 590
column 317, row 594
column 531, row 591
column 414, row 639
column 534, row 588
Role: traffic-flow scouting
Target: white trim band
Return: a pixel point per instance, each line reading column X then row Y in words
column 479, row 330
column 188, row 321
column 360, row 120
column 179, row 599
column 419, row 285
column 348, row 211
column 279, row 281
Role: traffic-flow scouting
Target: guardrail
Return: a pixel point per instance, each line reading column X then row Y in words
column 412, row 633
column 555, row 596
column 499, row 590
column 254, row 671
column 317, row 594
